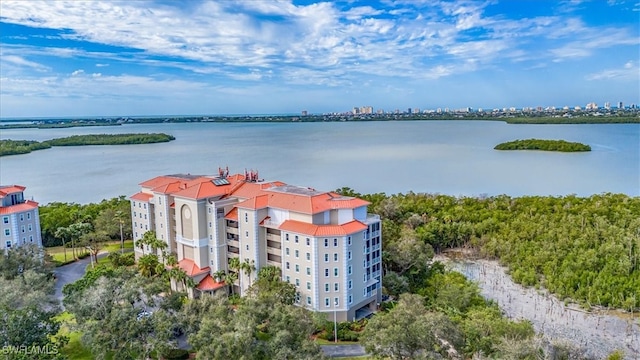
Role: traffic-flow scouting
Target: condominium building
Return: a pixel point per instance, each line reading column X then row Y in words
column 20, row 218
column 326, row 244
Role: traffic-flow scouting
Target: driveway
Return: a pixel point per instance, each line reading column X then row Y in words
column 338, row 351
column 71, row 272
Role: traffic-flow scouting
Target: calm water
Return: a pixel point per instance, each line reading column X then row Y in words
column 449, row 157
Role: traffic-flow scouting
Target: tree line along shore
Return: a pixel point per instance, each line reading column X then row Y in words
column 586, row 118
column 544, row 145
column 15, row 147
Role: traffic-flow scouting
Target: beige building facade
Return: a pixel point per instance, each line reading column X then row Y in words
column 326, row 244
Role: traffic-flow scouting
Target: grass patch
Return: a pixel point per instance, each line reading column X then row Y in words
column 115, row 245
column 74, row 349
column 328, row 342
column 57, row 254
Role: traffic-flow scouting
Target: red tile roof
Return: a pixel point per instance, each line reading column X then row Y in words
column 322, row 230
column 258, row 202
column 191, row 268
column 232, row 215
column 141, row 196
column 209, row 284
column 25, row 206
column 159, row 181
column 10, row 189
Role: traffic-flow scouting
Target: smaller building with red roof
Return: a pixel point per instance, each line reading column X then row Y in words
column 19, row 219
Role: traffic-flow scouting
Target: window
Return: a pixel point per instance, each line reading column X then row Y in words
column 297, row 282
column 326, row 302
column 308, row 300
column 335, row 242
column 349, row 269
column 326, row 257
column 21, row 217
column 297, row 254
column 209, row 223
column 335, row 271
column 8, row 244
column 31, row 238
column 326, row 287
column 211, row 262
column 288, row 278
column 145, row 206
column 308, row 270
column 209, row 210
column 326, row 271
column 160, row 225
column 296, row 239
column 286, row 251
column 247, row 247
column 246, row 217
column 160, row 213
column 308, row 285
column 23, row 228
column 326, row 242
column 5, row 219
column 349, row 254
column 287, row 265
column 335, row 257
column 7, row 232
column 308, row 256
column 146, row 227
column 350, row 299
column 308, row 241
column 139, row 205
column 211, row 250
column 159, row 200
column 336, row 301
column 134, row 214
column 246, row 234
column 297, row 268
column 336, row 287
column 145, row 216
column 350, row 284
column 286, row 237
column 28, row 216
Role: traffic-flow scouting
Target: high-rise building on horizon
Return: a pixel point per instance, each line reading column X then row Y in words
column 326, row 244
column 20, row 218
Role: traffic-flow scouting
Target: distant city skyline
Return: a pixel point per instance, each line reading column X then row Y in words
column 271, row 57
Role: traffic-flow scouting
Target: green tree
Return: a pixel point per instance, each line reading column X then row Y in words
column 409, row 331
column 28, row 308
column 94, row 242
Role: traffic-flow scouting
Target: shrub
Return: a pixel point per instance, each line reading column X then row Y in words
column 176, row 354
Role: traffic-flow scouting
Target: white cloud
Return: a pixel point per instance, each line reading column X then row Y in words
column 22, row 62
column 77, row 72
column 629, row 71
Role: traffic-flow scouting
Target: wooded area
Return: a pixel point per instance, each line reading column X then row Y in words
column 545, row 145
column 15, row 147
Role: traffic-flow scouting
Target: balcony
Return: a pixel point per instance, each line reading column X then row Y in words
column 233, row 243
column 271, row 224
column 274, row 258
column 274, row 244
column 233, row 231
column 273, row 237
column 232, row 224
column 233, row 250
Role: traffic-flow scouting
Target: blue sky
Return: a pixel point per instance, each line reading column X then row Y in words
column 92, row 58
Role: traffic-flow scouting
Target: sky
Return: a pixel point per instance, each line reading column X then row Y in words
column 136, row 58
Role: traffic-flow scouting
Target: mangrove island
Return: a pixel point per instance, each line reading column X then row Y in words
column 15, row 147
column 545, row 145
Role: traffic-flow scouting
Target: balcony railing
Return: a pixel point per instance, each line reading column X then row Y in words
column 271, row 224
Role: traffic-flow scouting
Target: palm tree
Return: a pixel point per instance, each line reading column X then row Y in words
column 248, row 267
column 148, row 265
column 230, row 278
column 219, row 275
column 234, row 268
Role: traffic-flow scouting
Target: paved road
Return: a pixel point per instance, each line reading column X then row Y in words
column 71, row 272
column 338, row 351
